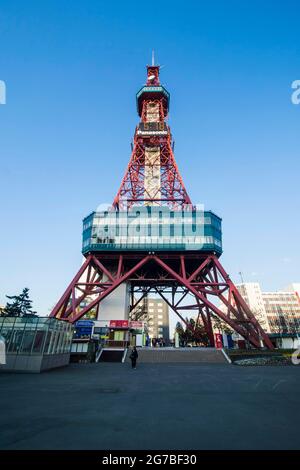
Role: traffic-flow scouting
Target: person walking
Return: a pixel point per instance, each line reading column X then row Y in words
column 133, row 356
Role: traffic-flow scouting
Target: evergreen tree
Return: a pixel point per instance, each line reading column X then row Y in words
column 11, row 309
column 196, row 333
column 192, row 333
column 20, row 305
column 179, row 329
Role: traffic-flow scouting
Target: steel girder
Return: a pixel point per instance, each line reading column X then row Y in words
column 199, row 274
column 173, row 295
column 132, row 190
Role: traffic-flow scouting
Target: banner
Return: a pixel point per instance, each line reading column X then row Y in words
column 218, row 341
column 118, row 324
column 137, row 325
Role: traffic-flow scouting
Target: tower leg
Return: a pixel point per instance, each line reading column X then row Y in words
column 93, row 282
column 201, row 275
column 210, row 279
column 210, row 330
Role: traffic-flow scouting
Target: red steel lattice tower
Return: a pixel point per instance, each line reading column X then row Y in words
column 152, row 176
column 180, row 265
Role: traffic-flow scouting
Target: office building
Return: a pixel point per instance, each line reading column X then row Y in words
column 279, row 311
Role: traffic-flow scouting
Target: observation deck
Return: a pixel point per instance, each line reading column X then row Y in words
column 152, row 93
column 151, row 228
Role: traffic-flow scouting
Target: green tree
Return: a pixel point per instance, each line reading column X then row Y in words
column 19, row 305
column 192, row 333
column 11, row 309
column 181, row 333
column 196, row 333
column 220, row 325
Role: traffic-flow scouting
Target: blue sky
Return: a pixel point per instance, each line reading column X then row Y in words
column 72, row 69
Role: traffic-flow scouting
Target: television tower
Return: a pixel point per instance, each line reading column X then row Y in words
column 154, row 240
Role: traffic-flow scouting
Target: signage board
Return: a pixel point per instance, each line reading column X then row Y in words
column 137, row 325
column 118, row 324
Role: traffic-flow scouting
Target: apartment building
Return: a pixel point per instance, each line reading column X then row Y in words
column 277, row 312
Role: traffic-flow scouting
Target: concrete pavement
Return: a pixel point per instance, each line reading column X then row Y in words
column 156, row 406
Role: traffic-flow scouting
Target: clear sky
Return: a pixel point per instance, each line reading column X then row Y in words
column 72, row 69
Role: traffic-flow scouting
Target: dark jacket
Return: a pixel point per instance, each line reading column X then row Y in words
column 134, row 354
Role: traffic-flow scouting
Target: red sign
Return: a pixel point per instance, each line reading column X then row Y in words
column 118, row 324
column 218, row 341
column 136, row 325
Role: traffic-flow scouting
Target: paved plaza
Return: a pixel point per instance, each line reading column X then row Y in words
column 156, row 406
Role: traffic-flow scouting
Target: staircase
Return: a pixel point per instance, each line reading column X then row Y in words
column 181, row 355
column 112, row 351
column 111, row 355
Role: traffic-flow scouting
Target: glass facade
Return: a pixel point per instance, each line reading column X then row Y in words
column 152, row 228
column 36, row 335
